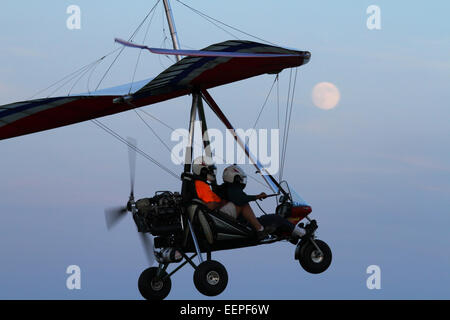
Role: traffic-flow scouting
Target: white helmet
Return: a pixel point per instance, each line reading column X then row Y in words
column 204, row 167
column 234, row 174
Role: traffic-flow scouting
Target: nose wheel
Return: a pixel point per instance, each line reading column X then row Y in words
column 314, row 255
column 210, row 278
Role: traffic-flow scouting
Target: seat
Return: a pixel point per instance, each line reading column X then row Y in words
column 199, row 214
column 197, row 211
column 195, row 208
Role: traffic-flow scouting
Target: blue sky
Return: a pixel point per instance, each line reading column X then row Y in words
column 376, row 169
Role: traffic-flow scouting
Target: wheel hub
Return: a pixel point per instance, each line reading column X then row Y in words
column 156, row 285
column 212, row 278
column 316, row 256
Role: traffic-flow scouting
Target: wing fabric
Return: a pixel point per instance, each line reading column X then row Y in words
column 207, row 72
column 37, row 115
column 233, row 61
column 27, row 117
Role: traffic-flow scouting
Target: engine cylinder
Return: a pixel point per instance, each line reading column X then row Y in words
column 168, row 255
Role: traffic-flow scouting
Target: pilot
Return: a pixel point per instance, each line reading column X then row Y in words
column 204, row 172
column 235, row 181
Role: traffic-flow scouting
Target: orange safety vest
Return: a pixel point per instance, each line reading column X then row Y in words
column 205, row 193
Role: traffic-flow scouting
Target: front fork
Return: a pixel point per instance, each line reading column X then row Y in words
column 311, row 239
column 161, row 268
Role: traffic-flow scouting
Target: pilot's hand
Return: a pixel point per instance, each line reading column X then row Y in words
column 261, row 196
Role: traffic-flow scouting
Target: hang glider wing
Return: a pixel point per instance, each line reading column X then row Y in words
column 213, row 66
column 204, row 72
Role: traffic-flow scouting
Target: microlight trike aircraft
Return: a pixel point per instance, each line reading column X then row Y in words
column 175, row 226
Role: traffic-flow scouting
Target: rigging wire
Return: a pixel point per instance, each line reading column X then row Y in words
column 140, row 51
column 222, row 23
column 278, row 125
column 71, row 79
column 88, row 82
column 155, row 118
column 93, row 67
column 135, row 148
column 71, row 75
column 284, row 124
column 265, row 101
column 288, row 117
column 153, row 131
column 123, row 48
column 204, row 16
column 262, row 109
column 109, row 68
column 221, row 28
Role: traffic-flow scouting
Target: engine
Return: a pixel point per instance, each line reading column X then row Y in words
column 160, row 215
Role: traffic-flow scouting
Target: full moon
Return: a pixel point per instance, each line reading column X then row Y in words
column 325, row 95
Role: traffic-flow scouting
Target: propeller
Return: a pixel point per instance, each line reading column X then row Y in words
column 114, row 215
column 132, row 144
column 147, row 243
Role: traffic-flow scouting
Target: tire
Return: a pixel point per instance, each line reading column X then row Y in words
column 151, row 288
column 210, row 278
column 309, row 259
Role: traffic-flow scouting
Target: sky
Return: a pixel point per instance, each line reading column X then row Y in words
column 375, row 169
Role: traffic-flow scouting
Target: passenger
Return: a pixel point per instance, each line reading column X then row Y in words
column 205, row 174
column 235, row 181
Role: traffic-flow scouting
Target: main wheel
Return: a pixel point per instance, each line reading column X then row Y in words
column 210, row 278
column 312, row 260
column 152, row 287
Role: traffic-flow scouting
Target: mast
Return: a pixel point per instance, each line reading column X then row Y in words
column 172, row 28
column 196, row 98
